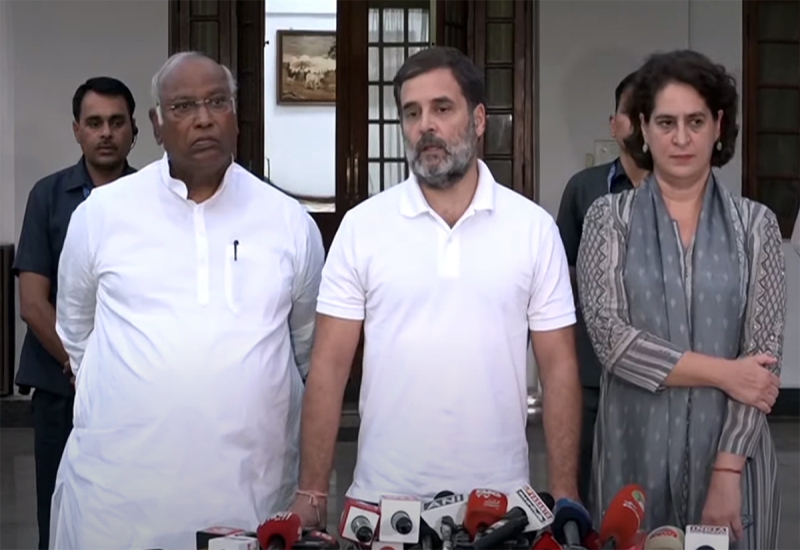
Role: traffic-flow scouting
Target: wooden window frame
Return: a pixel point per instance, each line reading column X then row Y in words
column 750, row 122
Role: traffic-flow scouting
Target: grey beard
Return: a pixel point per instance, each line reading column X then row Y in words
column 452, row 168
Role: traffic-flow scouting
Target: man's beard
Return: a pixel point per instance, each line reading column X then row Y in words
column 446, row 167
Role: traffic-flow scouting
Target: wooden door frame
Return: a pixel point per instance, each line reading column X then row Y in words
column 525, row 163
column 352, row 129
column 241, row 49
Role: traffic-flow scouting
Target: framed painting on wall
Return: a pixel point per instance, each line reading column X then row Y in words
column 306, row 67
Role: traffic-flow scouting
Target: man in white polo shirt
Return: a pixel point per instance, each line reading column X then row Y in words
column 448, row 272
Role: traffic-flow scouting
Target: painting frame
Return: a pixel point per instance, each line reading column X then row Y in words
column 290, row 89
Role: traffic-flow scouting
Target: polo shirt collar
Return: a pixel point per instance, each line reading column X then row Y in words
column 413, row 203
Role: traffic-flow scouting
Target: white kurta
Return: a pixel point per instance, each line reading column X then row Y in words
column 189, row 361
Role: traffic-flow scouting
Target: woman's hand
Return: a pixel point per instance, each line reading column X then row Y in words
column 723, row 505
column 751, row 382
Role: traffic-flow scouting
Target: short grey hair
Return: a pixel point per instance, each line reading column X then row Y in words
column 175, row 60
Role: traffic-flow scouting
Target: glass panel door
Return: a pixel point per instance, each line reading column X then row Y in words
column 396, row 31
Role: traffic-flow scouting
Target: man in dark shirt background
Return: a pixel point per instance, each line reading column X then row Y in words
column 105, row 129
column 581, row 191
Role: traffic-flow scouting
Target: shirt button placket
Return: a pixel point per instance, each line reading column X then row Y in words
column 201, row 240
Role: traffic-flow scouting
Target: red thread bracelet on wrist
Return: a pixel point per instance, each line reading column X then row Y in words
column 314, row 497
column 727, row 470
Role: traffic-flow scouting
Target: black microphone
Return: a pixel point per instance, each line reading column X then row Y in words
column 527, row 513
column 510, row 526
column 316, row 540
column 399, row 519
column 441, row 516
column 359, row 521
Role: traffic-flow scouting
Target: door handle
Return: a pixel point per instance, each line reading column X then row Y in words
column 354, row 193
column 348, row 179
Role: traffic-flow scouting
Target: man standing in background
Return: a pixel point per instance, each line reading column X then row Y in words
column 581, row 191
column 105, row 129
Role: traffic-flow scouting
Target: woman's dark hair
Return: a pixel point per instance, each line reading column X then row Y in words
column 469, row 78
column 712, row 82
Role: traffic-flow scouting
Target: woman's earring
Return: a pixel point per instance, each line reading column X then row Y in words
column 719, row 146
column 644, row 148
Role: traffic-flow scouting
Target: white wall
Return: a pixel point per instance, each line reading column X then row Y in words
column 590, row 45
column 584, row 45
column 299, row 140
column 56, row 45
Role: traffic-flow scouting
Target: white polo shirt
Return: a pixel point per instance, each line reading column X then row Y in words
column 446, row 317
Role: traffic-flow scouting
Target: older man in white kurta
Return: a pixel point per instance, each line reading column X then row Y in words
column 188, row 326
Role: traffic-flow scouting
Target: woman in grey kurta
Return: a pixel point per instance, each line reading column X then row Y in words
column 679, row 281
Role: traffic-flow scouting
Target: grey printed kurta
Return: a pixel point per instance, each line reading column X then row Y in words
column 647, row 299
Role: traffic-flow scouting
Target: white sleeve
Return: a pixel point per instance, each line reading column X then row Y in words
column 342, row 293
column 796, row 234
column 310, row 258
column 77, row 287
column 551, row 304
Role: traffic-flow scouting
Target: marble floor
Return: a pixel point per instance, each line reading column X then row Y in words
column 18, row 501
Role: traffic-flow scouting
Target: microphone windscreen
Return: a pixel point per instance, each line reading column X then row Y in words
column 624, row 517
column 546, row 541
column 484, row 507
column 665, row 538
column 591, row 541
column 281, row 530
column 567, row 511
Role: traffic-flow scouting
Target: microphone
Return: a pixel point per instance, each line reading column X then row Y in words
column 442, row 516
column 399, row 519
column 548, row 500
column 546, row 541
column 571, row 523
column 638, row 541
column 233, row 542
column 484, row 507
column 707, row 537
column 205, row 536
column 460, row 537
column 537, row 511
column 359, row 521
column 623, row 518
column 316, row 540
column 664, row 538
column 591, row 541
column 527, row 513
column 280, row 532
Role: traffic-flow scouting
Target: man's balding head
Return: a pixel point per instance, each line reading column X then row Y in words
column 195, row 113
